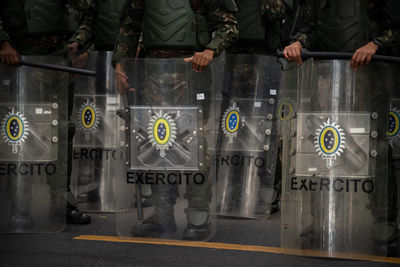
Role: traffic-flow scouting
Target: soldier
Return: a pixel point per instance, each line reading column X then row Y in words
column 371, row 31
column 166, row 42
column 33, row 28
column 98, row 31
column 252, row 76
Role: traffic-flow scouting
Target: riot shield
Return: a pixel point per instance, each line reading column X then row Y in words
column 98, row 155
column 247, row 138
column 33, row 145
column 335, row 162
column 168, row 189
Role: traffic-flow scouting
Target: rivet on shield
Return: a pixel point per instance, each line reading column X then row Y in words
column 133, row 131
column 374, row 134
column 194, row 132
column 374, row 115
column 201, row 147
column 127, row 163
column 126, row 145
column 200, row 111
column 270, row 116
column 54, row 139
column 137, row 137
column 126, row 128
column 54, row 123
column 200, row 129
column 271, row 101
column 293, row 134
column 54, row 106
column 374, row 153
column 268, row 132
column 126, row 110
column 122, row 143
column 201, row 164
column 291, row 170
column 266, row 147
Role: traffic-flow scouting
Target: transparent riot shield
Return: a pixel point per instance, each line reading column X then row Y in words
column 335, row 162
column 247, row 137
column 98, row 155
column 168, row 189
column 33, row 148
column 394, row 125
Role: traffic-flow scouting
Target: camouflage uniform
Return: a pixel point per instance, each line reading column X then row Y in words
column 15, row 28
column 385, row 33
column 223, row 23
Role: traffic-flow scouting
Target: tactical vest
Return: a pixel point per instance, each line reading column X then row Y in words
column 35, row 17
column 174, row 24
column 342, row 25
column 250, row 22
column 107, row 22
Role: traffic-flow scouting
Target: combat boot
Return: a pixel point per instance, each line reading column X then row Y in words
column 160, row 223
column 198, row 227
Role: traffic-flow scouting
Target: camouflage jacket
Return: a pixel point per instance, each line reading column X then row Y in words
column 272, row 10
column 79, row 5
column 388, row 30
column 224, row 26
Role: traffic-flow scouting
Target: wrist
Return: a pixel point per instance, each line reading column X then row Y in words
column 377, row 44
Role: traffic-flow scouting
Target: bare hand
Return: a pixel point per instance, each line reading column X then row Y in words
column 363, row 56
column 293, row 52
column 9, row 55
column 80, row 61
column 200, row 60
column 73, row 48
column 122, row 80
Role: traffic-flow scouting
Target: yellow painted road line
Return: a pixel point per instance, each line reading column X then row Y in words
column 223, row 246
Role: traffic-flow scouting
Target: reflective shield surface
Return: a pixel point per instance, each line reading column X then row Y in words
column 98, row 155
column 33, row 145
column 247, row 139
column 167, row 191
column 335, row 162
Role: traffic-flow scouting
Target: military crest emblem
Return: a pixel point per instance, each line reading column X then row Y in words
column 330, row 142
column 15, row 130
column 89, row 119
column 232, row 121
column 162, row 132
column 394, row 124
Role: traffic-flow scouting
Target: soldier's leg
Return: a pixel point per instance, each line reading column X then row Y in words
column 161, row 221
column 198, row 195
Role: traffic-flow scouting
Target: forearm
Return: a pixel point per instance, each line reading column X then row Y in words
column 226, row 31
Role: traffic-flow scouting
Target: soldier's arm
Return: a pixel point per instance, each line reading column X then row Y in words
column 302, row 39
column 225, row 26
column 83, row 37
column 8, row 54
column 272, row 10
column 3, row 33
column 129, row 33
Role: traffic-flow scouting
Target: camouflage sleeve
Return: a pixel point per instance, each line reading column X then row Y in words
column 3, row 33
column 224, row 24
column 84, row 35
column 389, row 40
column 306, row 25
column 272, row 10
column 129, row 33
